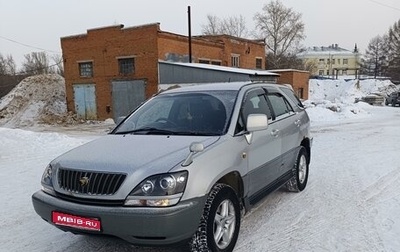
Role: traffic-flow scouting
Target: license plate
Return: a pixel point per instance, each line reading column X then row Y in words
column 76, row 221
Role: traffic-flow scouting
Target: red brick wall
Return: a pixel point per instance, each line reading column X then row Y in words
column 102, row 46
column 171, row 43
column 298, row 80
column 146, row 44
column 247, row 50
column 212, row 48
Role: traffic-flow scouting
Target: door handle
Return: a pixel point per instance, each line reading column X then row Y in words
column 275, row 132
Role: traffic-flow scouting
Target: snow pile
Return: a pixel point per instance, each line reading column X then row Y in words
column 332, row 100
column 35, row 100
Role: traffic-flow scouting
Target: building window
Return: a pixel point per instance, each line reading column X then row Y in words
column 216, row 62
column 259, row 63
column 321, row 60
column 327, row 72
column 235, row 60
column 333, row 61
column 86, row 69
column 321, row 72
column 345, row 61
column 126, row 65
column 204, row 61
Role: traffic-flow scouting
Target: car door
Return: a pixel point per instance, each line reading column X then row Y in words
column 288, row 123
column 263, row 152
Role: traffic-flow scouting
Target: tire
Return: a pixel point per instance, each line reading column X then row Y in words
column 300, row 172
column 219, row 226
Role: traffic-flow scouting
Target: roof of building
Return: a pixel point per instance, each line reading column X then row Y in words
column 288, row 70
column 223, row 68
column 333, row 49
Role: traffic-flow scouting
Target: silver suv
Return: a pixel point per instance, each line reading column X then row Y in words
column 182, row 167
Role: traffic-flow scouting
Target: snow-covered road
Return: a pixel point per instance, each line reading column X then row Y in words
column 352, row 201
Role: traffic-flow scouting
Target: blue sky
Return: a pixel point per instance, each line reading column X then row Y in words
column 39, row 24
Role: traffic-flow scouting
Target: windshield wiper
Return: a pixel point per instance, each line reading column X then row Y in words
column 146, row 131
column 194, row 133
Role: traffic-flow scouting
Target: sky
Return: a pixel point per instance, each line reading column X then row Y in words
column 32, row 26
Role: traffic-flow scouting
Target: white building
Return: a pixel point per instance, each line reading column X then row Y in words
column 331, row 61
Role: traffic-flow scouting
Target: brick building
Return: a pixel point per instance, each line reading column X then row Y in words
column 111, row 70
column 297, row 78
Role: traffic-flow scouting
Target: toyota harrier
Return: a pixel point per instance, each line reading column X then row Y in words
column 182, row 167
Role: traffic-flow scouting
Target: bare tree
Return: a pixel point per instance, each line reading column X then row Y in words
column 58, row 59
column 282, row 29
column 233, row 26
column 212, row 27
column 375, row 61
column 7, row 65
column 394, row 52
column 36, row 63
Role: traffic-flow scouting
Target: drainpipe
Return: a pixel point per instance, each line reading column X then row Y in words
column 190, row 35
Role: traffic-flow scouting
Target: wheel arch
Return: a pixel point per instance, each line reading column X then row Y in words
column 234, row 180
column 306, row 143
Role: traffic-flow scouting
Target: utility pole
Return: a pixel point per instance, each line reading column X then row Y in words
column 190, row 35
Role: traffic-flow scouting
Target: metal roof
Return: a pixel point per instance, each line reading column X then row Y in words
column 223, row 68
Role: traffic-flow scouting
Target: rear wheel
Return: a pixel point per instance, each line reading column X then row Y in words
column 220, row 223
column 300, row 172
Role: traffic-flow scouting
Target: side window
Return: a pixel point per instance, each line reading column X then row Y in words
column 255, row 102
column 293, row 97
column 279, row 104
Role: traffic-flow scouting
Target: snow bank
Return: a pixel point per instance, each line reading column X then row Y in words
column 333, row 100
column 36, row 100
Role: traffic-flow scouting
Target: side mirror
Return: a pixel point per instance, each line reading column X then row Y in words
column 257, row 122
column 194, row 148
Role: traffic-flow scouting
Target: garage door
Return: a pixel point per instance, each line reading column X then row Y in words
column 126, row 96
column 85, row 101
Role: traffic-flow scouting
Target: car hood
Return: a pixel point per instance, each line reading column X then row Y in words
column 140, row 154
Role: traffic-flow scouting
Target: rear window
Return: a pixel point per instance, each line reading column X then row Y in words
column 292, row 97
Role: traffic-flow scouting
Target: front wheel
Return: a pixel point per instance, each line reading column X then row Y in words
column 300, row 172
column 220, row 223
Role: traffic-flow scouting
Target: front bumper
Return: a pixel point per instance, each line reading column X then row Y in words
column 137, row 225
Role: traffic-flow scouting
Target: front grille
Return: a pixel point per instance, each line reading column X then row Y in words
column 90, row 183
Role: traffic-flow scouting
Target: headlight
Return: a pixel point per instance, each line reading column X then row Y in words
column 47, row 180
column 159, row 190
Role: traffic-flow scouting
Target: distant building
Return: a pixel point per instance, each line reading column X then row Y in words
column 331, row 61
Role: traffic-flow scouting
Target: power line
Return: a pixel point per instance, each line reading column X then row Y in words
column 385, row 5
column 26, row 45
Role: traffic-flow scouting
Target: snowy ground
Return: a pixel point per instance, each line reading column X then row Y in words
column 352, row 201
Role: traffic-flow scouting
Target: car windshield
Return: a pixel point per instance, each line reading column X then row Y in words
column 191, row 113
